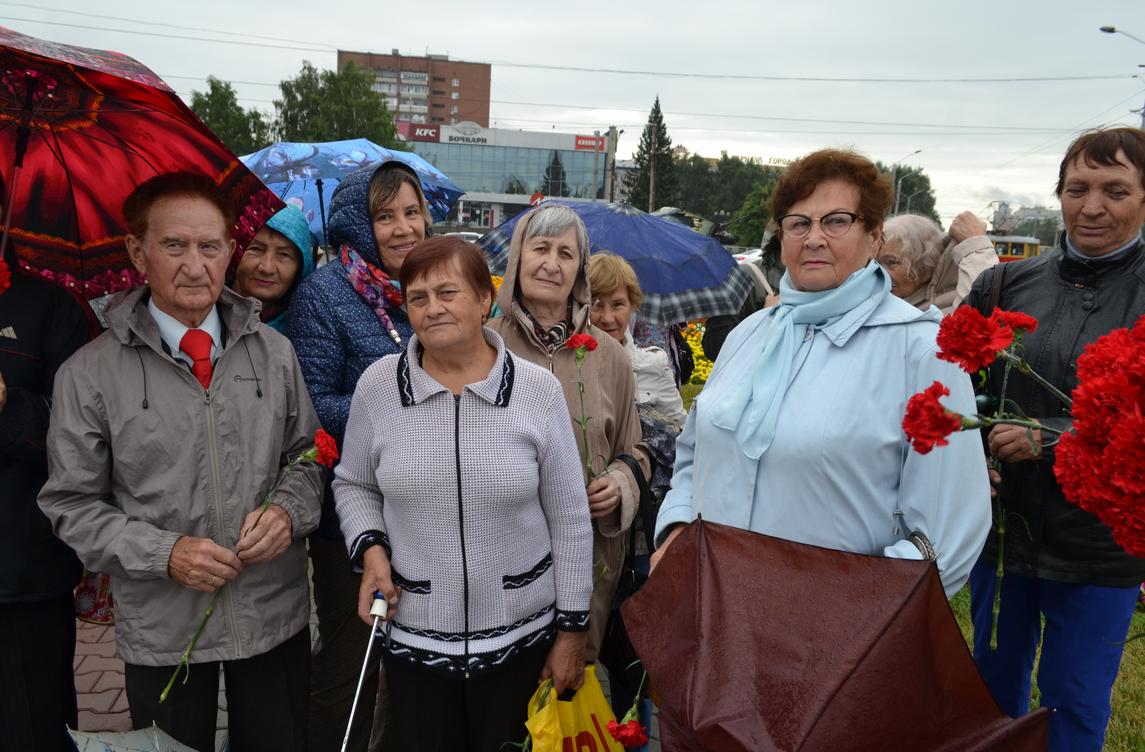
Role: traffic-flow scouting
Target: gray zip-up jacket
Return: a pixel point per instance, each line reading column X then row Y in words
column 140, row 455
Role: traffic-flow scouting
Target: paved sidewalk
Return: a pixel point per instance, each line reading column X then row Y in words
column 103, row 701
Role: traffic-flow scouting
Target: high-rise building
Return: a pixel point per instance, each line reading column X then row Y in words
column 427, row 90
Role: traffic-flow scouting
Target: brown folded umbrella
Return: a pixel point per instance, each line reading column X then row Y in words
column 757, row 643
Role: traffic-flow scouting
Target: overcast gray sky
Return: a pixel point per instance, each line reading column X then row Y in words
column 980, row 141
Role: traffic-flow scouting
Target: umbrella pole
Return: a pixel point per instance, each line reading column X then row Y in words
column 322, row 213
column 23, row 133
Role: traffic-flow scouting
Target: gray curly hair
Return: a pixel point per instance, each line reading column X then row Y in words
column 921, row 242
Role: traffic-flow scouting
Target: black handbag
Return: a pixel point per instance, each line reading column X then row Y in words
column 645, row 526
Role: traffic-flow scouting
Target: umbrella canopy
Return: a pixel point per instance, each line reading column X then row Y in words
column 143, row 740
column 684, row 275
column 306, row 174
column 777, row 645
column 79, row 130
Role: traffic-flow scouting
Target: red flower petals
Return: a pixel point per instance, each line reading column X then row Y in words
column 1101, row 465
column 577, row 341
column 1020, row 322
column 327, row 448
column 927, row 423
column 971, row 340
column 630, row 734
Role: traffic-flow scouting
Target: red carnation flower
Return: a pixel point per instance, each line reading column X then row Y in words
column 577, row 341
column 1020, row 322
column 971, row 340
column 927, row 423
column 327, row 448
column 630, row 734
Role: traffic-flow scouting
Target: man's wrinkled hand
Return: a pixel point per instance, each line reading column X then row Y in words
column 202, row 564
column 1015, row 443
column 267, row 539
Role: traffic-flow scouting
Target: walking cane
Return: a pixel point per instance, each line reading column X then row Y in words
column 378, row 611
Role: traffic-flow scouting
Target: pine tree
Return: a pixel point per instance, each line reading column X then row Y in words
column 554, row 183
column 655, row 149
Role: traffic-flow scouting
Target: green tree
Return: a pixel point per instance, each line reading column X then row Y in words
column 654, row 151
column 554, row 182
column 332, row 106
column 243, row 131
column 915, row 194
column 717, row 190
column 754, row 213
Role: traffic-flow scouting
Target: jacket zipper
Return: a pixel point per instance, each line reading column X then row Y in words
column 217, row 482
column 461, row 520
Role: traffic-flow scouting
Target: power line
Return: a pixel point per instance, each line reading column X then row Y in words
column 809, row 79
column 610, row 71
column 166, row 36
column 160, row 24
column 723, row 116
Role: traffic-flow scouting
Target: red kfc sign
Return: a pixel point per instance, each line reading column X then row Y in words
column 425, row 133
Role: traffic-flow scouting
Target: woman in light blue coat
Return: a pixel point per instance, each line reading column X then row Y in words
column 798, row 433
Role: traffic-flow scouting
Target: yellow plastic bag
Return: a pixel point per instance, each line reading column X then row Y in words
column 579, row 725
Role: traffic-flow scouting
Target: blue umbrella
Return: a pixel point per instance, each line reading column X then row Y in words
column 308, row 173
column 684, row 275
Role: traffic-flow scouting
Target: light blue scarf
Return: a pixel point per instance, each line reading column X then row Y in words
column 750, row 407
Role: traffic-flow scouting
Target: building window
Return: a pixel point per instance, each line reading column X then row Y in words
column 453, row 111
column 438, row 106
column 439, row 79
column 456, row 82
column 439, row 92
column 437, row 120
column 455, row 96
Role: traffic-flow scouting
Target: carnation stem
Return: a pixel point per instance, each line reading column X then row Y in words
column 583, row 422
column 1020, row 363
column 185, row 658
column 996, row 608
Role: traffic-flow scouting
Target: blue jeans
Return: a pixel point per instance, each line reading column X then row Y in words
column 1081, row 650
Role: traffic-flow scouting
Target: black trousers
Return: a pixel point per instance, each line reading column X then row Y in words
column 342, row 640
column 37, row 683
column 433, row 712
column 266, row 699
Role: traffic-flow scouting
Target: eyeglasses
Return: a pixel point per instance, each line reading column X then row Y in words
column 835, row 224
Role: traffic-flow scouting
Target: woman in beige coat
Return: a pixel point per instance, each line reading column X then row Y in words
column 928, row 267
column 544, row 300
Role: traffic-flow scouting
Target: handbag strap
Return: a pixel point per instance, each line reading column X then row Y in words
column 647, row 500
column 996, row 288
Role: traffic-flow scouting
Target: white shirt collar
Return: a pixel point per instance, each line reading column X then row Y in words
column 172, row 331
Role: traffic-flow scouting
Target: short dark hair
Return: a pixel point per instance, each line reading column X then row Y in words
column 385, row 183
column 805, row 174
column 1100, row 146
column 137, row 207
column 434, row 253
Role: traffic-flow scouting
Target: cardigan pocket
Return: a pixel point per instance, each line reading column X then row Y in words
column 516, row 581
column 419, row 587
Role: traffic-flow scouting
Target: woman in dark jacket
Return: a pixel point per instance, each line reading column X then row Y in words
column 1061, row 563
column 344, row 317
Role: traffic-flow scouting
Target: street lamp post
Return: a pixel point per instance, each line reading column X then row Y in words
column 911, row 198
column 894, row 174
column 1115, row 30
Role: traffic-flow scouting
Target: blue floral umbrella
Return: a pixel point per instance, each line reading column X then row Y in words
column 684, row 275
column 307, row 174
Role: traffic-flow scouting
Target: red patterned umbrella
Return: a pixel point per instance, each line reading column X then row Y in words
column 85, row 127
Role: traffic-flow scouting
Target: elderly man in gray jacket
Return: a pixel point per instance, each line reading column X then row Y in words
column 167, row 432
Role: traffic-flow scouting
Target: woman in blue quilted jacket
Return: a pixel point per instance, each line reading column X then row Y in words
column 345, row 316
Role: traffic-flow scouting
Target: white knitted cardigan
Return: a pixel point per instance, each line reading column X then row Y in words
column 479, row 500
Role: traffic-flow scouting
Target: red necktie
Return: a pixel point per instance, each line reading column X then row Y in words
column 197, row 344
